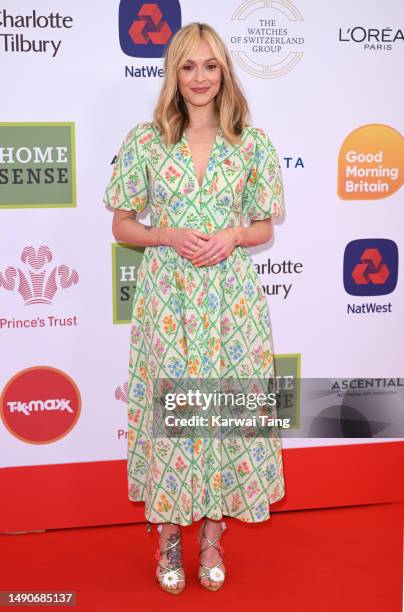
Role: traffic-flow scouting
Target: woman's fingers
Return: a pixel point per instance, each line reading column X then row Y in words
column 205, row 249
column 212, row 254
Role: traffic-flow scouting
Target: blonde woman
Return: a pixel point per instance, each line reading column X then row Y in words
column 199, row 310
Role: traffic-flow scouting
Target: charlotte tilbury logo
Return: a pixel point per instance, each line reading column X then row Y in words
column 38, row 281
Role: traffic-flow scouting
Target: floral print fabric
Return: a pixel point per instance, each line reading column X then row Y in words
column 189, row 322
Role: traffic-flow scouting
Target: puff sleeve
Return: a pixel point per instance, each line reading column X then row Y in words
column 128, row 186
column 263, row 194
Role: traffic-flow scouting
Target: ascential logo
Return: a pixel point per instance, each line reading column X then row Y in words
column 370, row 266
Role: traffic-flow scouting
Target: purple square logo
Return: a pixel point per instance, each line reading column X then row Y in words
column 370, row 266
column 145, row 29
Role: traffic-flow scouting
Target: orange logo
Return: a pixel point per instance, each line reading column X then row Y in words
column 371, row 163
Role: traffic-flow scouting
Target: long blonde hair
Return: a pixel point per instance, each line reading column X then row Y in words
column 170, row 115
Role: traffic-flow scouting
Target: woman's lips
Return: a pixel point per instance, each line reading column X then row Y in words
column 199, row 89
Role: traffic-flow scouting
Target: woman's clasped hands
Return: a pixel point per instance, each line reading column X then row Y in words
column 204, row 249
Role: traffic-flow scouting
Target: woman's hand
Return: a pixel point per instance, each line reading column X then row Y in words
column 185, row 241
column 219, row 246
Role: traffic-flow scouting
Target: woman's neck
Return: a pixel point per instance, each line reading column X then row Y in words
column 202, row 116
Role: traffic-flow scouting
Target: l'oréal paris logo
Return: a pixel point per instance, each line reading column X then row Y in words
column 371, row 39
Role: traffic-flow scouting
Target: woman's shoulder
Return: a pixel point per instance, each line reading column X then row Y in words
column 252, row 135
column 139, row 135
column 257, row 132
column 142, row 128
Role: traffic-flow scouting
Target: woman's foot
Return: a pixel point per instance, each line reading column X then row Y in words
column 169, row 572
column 211, row 569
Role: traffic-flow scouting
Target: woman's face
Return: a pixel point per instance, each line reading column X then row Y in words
column 200, row 76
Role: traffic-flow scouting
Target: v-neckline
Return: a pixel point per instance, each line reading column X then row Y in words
column 185, row 139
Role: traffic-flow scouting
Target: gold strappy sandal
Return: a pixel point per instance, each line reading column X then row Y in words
column 170, row 579
column 215, row 573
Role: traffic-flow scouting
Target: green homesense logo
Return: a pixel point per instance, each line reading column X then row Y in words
column 37, row 165
column 125, row 264
column 287, row 368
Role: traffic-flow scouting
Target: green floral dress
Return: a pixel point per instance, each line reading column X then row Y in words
column 211, row 321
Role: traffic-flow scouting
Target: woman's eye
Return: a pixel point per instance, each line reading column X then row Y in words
column 212, row 66
column 187, row 67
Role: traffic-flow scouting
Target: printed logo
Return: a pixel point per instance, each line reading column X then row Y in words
column 266, row 41
column 145, row 29
column 40, row 405
column 37, row 165
column 278, row 271
column 39, row 281
column 370, row 163
column 370, row 266
column 19, row 33
column 287, row 368
column 125, row 266
column 371, row 39
column 132, row 415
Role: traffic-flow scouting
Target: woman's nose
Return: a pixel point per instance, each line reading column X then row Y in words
column 199, row 75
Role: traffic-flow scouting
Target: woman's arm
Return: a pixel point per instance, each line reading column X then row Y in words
column 127, row 229
column 256, row 233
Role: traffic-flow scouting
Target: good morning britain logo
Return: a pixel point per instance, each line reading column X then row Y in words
column 370, row 163
column 37, row 165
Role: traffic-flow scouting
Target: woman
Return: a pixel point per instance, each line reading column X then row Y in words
column 199, row 309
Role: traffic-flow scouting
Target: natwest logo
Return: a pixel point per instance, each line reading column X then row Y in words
column 370, row 266
column 40, row 405
column 146, row 28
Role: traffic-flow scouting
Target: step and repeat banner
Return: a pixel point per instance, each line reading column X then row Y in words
column 323, row 79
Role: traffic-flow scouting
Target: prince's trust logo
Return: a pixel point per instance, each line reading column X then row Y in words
column 39, row 282
column 266, row 39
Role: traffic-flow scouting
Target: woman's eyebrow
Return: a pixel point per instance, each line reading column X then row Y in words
column 189, row 61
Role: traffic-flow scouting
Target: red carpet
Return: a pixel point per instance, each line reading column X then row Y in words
column 342, row 560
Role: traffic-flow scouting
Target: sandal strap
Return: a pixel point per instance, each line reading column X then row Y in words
column 205, row 567
column 171, row 569
column 213, row 542
column 161, row 552
column 170, row 545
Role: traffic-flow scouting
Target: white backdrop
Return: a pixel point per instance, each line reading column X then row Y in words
column 329, row 89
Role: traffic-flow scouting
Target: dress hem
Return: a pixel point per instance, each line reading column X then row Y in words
column 214, row 518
